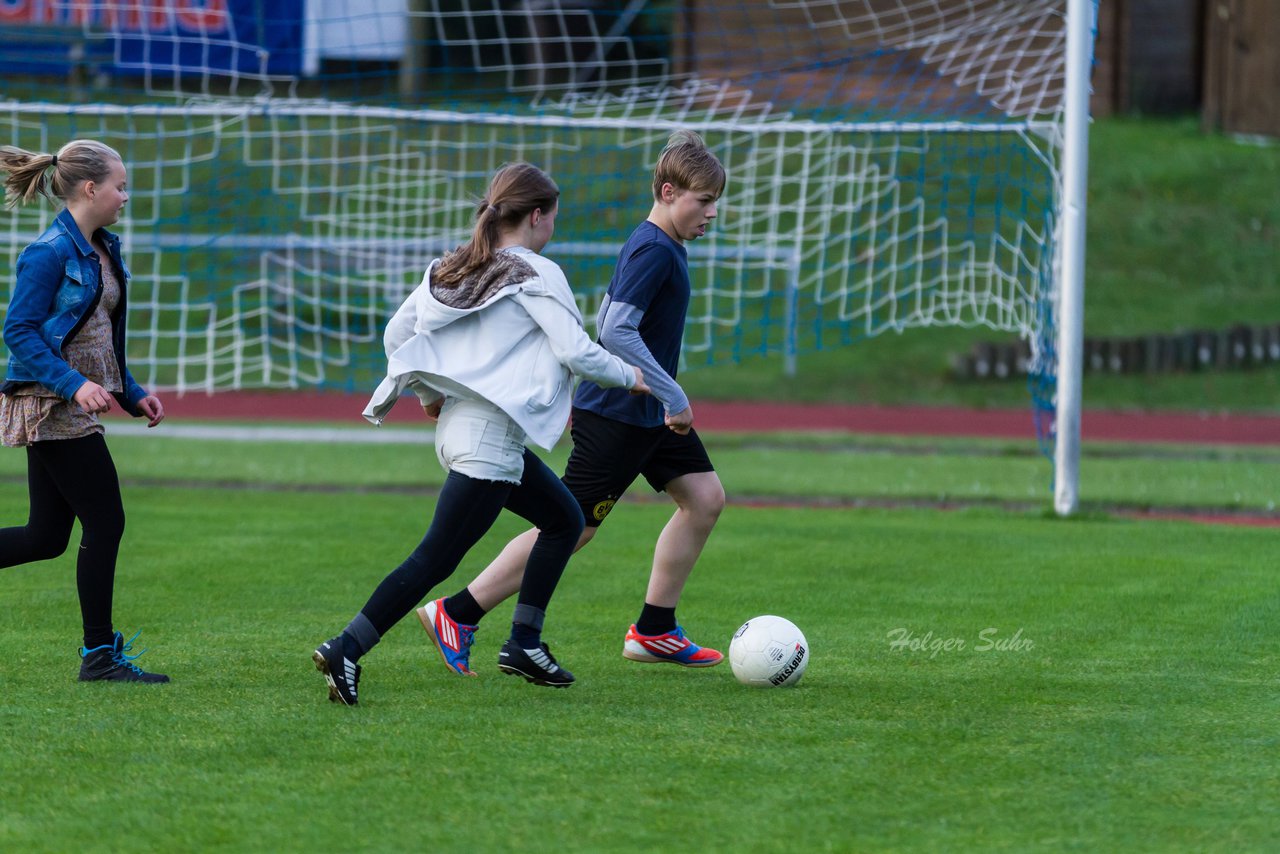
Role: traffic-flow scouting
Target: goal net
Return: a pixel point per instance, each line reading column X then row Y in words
column 294, row 165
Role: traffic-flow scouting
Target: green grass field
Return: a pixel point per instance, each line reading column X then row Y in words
column 984, row 675
column 1093, row 684
column 1131, row 707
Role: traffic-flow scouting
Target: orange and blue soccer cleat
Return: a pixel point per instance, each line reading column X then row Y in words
column 452, row 638
column 673, row 647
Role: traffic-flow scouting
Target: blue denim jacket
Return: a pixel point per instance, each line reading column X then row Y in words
column 59, row 283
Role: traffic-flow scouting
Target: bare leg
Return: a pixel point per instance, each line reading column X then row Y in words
column 699, row 499
column 501, row 578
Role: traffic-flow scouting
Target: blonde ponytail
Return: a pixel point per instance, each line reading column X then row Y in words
column 76, row 162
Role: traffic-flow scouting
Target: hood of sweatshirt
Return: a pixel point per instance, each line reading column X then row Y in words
column 446, row 304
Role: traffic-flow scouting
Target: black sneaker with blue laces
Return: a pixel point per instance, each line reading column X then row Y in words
column 112, row 663
column 535, row 665
column 342, row 674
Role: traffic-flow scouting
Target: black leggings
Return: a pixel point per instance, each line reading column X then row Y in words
column 465, row 511
column 73, row 479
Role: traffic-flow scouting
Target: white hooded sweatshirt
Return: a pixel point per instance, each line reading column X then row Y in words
column 518, row 349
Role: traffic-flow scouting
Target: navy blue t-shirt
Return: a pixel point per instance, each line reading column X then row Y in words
column 652, row 275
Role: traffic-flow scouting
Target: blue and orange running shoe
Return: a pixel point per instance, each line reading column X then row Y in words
column 672, row 647
column 452, row 638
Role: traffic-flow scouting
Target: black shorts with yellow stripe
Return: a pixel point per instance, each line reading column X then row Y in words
column 608, row 455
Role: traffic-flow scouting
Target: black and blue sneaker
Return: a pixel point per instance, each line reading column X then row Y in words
column 342, row 674
column 112, row 663
column 535, row 665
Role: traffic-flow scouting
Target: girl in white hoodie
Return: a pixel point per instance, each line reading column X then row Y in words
column 489, row 342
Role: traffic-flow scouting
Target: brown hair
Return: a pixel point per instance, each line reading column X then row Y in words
column 76, row 162
column 516, row 190
column 687, row 164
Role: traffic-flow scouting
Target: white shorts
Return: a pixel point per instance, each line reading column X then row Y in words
column 476, row 438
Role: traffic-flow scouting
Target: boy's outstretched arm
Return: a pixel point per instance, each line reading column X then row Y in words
column 620, row 335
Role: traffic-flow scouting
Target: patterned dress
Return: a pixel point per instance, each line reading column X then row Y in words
column 35, row 414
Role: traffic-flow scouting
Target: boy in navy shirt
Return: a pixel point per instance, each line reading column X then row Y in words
column 618, row 437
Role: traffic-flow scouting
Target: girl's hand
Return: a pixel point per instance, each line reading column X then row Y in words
column 640, row 387
column 92, row 398
column 152, row 408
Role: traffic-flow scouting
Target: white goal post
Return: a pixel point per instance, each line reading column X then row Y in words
column 1081, row 17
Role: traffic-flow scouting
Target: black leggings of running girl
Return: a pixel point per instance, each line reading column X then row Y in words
column 465, row 511
column 71, row 479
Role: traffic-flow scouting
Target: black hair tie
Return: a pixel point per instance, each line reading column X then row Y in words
column 54, row 162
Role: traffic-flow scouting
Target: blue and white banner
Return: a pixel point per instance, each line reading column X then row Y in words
column 155, row 36
column 354, row 29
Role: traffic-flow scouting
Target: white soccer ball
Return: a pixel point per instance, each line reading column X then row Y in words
column 768, row 652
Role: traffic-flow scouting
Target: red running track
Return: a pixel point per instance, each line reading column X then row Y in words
column 1188, row 427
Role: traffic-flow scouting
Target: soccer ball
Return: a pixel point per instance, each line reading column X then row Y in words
column 768, row 652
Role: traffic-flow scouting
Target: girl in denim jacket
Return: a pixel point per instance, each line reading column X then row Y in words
column 65, row 331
